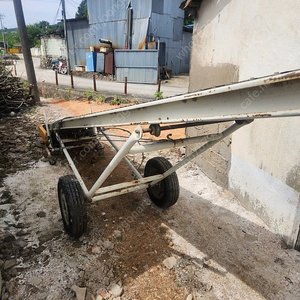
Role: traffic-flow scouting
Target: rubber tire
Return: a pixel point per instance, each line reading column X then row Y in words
column 52, row 161
column 166, row 192
column 72, row 205
column 64, row 71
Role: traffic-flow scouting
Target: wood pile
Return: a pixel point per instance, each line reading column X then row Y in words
column 12, row 92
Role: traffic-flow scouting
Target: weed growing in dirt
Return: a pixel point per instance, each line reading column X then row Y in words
column 67, row 93
column 158, row 95
column 90, row 94
column 100, row 99
column 116, row 101
column 119, row 238
column 135, row 99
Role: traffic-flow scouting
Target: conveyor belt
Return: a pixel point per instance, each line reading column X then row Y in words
column 268, row 97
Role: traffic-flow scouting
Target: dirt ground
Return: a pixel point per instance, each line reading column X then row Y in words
column 206, row 246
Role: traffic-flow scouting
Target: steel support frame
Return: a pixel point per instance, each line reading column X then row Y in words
column 268, row 97
column 96, row 193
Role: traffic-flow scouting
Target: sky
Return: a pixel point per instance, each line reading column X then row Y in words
column 36, row 11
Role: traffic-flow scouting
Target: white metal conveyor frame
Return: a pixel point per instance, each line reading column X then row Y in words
column 269, row 97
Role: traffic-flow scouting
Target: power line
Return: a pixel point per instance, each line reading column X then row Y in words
column 71, row 4
column 57, row 13
column 75, row 2
column 68, row 12
column 68, row 15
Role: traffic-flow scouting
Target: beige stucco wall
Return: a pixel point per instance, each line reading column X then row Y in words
column 235, row 41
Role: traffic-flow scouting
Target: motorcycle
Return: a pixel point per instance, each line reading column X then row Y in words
column 59, row 65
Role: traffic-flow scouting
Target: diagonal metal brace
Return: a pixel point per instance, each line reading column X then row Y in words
column 135, row 136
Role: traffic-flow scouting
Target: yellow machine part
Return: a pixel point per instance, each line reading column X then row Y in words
column 43, row 134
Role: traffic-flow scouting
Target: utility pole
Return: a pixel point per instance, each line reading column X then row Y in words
column 26, row 50
column 63, row 5
column 4, row 44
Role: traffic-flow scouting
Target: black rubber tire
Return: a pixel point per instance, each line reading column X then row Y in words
column 52, row 161
column 165, row 193
column 72, row 205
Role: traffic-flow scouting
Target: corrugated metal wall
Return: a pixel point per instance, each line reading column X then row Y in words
column 107, row 20
column 79, row 40
column 167, row 26
column 104, row 11
column 139, row 66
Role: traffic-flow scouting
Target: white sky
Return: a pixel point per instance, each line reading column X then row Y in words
column 36, row 11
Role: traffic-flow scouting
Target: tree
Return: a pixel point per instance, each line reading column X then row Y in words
column 33, row 35
column 82, row 10
column 43, row 24
column 58, row 27
column 188, row 17
column 12, row 37
column 34, row 31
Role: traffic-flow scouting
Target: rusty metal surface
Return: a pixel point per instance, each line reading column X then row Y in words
column 268, row 97
column 273, row 96
column 110, row 18
column 140, row 35
column 109, row 63
column 107, row 20
column 120, row 186
column 283, row 77
column 252, row 83
column 120, row 192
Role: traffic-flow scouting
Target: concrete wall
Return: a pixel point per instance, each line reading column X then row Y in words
column 235, row 41
column 35, row 51
column 53, row 46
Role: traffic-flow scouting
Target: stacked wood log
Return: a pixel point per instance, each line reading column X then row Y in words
column 13, row 95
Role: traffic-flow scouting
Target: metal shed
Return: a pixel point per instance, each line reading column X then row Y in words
column 152, row 21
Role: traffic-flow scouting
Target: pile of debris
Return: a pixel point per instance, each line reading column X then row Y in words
column 13, row 94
